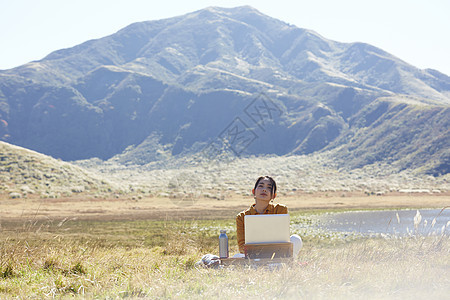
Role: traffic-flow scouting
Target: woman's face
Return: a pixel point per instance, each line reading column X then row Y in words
column 263, row 190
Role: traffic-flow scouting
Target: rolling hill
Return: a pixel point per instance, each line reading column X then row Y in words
column 26, row 173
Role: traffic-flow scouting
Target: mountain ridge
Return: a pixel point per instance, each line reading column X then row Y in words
column 111, row 56
column 188, row 78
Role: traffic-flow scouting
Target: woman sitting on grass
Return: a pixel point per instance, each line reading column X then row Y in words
column 264, row 192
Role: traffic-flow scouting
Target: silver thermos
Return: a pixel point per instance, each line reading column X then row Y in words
column 223, row 244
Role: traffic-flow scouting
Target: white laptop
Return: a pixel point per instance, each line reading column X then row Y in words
column 261, row 229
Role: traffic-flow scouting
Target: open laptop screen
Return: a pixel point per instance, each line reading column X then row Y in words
column 267, row 228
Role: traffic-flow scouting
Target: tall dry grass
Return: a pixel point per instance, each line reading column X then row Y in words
column 156, row 260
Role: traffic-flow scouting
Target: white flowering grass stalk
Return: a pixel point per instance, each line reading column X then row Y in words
column 417, row 220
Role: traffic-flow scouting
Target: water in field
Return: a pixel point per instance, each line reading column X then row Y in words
column 392, row 222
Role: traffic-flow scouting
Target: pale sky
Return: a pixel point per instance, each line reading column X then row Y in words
column 416, row 31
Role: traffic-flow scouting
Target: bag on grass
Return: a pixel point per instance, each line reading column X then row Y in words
column 209, row 261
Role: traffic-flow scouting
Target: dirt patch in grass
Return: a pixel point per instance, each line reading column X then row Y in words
column 86, row 207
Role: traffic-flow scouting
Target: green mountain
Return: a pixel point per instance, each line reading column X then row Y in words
column 227, row 79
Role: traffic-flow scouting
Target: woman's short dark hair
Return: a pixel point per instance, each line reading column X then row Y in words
column 272, row 181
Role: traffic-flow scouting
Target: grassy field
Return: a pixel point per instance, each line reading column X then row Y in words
column 154, row 257
column 105, row 230
column 136, row 206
